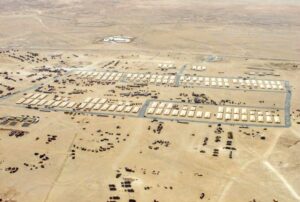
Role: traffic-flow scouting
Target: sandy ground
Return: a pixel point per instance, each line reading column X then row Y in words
column 85, row 156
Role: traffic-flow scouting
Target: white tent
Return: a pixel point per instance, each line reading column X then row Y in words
column 42, row 102
column 219, row 116
column 228, row 110
column 120, row 108
column 182, row 113
column 82, row 105
column 56, row 103
column 135, row 109
column 269, row 119
column 28, row 101
column 43, row 96
column 220, row 109
column 207, row 115
column 158, row 111
column 162, row 105
column 236, row 110
column 252, row 118
column 199, row 114
column 227, row 116
column 104, row 107
column 128, row 109
column 20, row 101
column 169, row 106
column 260, row 119
column 276, row 119
column 191, row 113
column 49, row 102
column 35, row 96
column 102, row 101
column 167, row 111
column 112, row 107
column 63, row 104
column 34, row 102
column 97, row 106
column 244, row 111
column 236, row 117
column 175, row 112
column 88, row 99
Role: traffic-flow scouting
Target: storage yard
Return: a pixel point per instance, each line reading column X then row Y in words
column 141, row 101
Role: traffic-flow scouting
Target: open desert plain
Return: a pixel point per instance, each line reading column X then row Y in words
column 149, row 101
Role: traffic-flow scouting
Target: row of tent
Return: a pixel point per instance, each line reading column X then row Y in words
column 88, row 104
column 103, row 105
column 212, row 81
column 237, row 113
column 263, row 84
column 103, row 76
column 166, row 65
column 177, row 112
column 184, row 79
column 223, row 113
column 167, row 108
column 110, row 107
column 151, row 78
column 251, row 118
column 198, row 68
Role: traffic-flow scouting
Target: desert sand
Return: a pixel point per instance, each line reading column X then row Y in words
column 149, row 101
